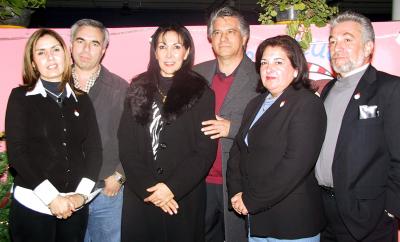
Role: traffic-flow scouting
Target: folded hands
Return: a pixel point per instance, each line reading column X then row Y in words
column 162, row 197
column 64, row 207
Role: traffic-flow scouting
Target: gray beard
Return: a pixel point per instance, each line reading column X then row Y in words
column 348, row 66
column 343, row 68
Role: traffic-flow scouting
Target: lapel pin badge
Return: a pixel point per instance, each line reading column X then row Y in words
column 76, row 113
column 357, row 96
column 282, row 104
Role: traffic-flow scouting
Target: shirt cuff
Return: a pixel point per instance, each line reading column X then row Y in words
column 120, row 170
column 85, row 186
column 46, row 192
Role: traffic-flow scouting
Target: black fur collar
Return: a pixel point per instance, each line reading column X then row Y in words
column 182, row 96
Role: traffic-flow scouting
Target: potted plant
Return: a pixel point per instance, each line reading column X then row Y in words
column 6, row 181
column 305, row 12
column 18, row 12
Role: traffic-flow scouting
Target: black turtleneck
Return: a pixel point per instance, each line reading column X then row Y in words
column 52, row 89
column 164, row 84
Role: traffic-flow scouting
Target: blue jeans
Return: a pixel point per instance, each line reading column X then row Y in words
column 104, row 223
column 269, row 239
column 315, row 238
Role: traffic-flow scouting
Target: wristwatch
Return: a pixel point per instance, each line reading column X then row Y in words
column 119, row 178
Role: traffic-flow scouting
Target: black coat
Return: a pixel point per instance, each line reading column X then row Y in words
column 184, row 158
column 275, row 171
column 45, row 141
column 366, row 163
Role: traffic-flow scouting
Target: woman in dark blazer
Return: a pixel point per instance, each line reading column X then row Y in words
column 164, row 154
column 53, row 146
column 270, row 174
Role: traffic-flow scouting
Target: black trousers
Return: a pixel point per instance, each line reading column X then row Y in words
column 214, row 228
column 336, row 230
column 27, row 225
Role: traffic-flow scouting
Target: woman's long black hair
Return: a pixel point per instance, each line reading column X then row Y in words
column 144, row 86
column 153, row 68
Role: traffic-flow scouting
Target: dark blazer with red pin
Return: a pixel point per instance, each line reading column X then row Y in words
column 45, row 141
column 366, row 163
column 275, row 171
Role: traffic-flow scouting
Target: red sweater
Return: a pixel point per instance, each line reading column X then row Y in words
column 221, row 85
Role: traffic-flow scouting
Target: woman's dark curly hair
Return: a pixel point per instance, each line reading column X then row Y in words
column 295, row 55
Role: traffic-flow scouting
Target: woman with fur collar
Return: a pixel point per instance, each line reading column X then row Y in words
column 162, row 149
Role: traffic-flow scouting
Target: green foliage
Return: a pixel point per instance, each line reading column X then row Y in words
column 10, row 8
column 315, row 12
column 6, row 181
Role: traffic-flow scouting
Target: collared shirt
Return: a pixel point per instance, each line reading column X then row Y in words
column 89, row 83
column 269, row 100
column 39, row 89
column 38, row 198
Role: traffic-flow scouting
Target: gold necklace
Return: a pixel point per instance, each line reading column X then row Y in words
column 164, row 97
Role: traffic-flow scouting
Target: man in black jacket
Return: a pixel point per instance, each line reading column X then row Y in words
column 89, row 40
column 358, row 168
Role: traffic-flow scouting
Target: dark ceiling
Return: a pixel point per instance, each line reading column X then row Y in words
column 127, row 13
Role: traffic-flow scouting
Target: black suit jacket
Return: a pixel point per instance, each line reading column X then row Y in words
column 45, row 141
column 275, row 171
column 366, row 164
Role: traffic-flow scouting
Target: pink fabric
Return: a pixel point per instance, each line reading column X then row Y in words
column 127, row 54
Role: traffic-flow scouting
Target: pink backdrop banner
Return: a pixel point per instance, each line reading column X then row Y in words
column 128, row 52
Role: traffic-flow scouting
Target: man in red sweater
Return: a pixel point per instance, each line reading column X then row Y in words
column 233, row 78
